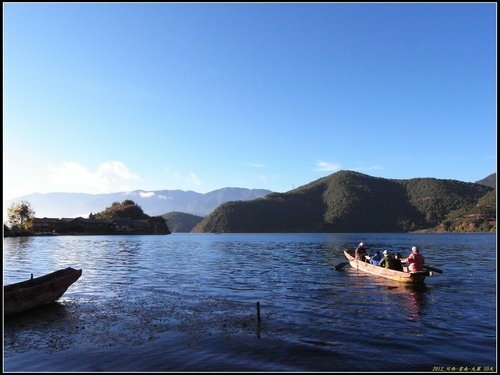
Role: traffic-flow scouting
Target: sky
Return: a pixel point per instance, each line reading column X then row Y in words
column 111, row 97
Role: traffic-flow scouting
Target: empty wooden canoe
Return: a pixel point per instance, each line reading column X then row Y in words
column 39, row 291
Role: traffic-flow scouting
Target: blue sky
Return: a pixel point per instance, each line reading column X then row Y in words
column 107, row 97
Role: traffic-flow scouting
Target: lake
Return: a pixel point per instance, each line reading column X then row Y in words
column 188, row 302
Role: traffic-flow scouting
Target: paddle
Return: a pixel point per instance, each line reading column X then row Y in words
column 433, row 269
column 339, row 266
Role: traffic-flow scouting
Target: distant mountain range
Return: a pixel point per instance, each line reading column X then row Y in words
column 344, row 201
column 348, row 201
column 153, row 203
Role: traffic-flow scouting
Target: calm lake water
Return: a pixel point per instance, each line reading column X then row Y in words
column 188, row 302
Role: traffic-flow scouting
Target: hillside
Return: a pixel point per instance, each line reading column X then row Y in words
column 480, row 217
column 348, row 201
column 490, row 181
column 181, row 222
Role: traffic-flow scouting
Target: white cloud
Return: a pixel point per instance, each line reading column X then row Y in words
column 180, row 180
column 146, row 194
column 324, row 166
column 109, row 177
column 193, row 179
column 165, row 197
column 116, row 168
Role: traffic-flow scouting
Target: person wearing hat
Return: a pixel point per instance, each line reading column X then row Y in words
column 359, row 253
column 386, row 260
column 415, row 259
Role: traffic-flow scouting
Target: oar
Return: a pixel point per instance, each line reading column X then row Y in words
column 339, row 266
column 433, row 269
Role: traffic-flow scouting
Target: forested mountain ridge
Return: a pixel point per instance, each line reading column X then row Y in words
column 349, row 201
column 490, row 181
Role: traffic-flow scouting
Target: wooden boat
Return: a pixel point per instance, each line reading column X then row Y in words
column 404, row 277
column 39, row 291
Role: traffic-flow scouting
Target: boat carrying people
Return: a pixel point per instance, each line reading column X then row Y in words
column 408, row 274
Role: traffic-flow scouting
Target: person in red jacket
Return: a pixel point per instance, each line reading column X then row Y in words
column 415, row 260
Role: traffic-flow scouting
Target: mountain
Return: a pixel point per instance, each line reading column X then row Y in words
column 348, row 201
column 479, row 217
column 490, row 181
column 181, row 222
column 57, row 205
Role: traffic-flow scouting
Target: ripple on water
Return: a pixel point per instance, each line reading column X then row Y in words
column 177, row 303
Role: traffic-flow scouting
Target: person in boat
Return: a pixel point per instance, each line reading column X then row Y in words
column 376, row 258
column 397, row 262
column 387, row 260
column 359, row 253
column 415, row 259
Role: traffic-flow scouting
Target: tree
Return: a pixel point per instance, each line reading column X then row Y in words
column 126, row 209
column 20, row 215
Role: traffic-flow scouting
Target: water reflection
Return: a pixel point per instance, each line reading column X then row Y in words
column 50, row 312
column 140, row 294
column 416, row 300
column 18, row 247
column 412, row 298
